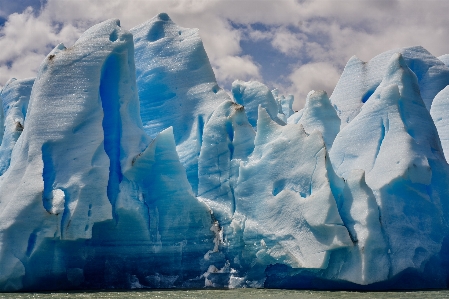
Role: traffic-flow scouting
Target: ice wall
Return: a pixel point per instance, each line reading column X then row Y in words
column 285, row 209
column 228, row 139
column 124, row 165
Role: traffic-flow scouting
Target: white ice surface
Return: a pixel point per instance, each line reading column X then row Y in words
column 285, row 208
column 228, row 139
column 394, row 140
column 250, row 95
column 318, row 114
column 360, row 79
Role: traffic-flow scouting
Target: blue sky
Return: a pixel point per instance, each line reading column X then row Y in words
column 293, row 45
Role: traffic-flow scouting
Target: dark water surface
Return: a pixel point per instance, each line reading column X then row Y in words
column 237, row 293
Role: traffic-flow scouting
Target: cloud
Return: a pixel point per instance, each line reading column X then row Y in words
column 8, row 7
column 25, row 40
column 230, row 68
column 310, row 33
column 26, row 36
column 281, row 38
column 287, row 42
column 312, row 76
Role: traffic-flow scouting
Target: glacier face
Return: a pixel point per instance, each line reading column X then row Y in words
column 124, row 165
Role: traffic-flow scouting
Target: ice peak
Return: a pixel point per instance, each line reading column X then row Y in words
column 109, row 29
column 359, row 79
column 176, row 85
column 157, row 28
column 266, row 127
column 395, row 64
column 163, row 17
column 355, row 59
column 317, row 98
column 398, row 73
column 319, row 114
column 251, row 94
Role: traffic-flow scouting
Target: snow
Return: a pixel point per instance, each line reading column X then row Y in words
column 124, row 165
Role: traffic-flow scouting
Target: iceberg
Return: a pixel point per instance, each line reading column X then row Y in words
column 80, row 166
column 124, row 165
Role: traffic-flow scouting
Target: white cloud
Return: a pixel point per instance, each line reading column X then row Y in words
column 25, row 34
column 312, row 76
column 25, row 40
column 26, row 67
column 318, row 33
column 258, row 35
column 281, row 38
column 288, row 42
column 230, row 68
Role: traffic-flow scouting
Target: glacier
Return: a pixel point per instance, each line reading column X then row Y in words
column 124, row 165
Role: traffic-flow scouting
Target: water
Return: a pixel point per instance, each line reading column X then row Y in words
column 238, row 293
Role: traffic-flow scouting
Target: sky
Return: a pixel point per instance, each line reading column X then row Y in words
column 293, row 45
